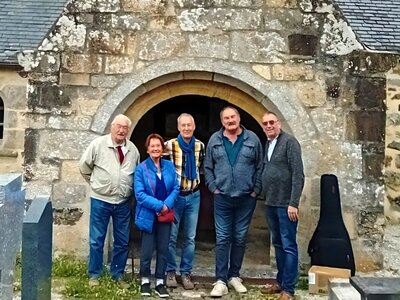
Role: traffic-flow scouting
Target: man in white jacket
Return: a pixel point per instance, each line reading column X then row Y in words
column 108, row 165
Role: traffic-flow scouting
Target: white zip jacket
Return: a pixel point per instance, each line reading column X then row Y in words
column 109, row 180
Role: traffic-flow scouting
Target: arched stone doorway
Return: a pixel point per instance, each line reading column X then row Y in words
column 157, row 111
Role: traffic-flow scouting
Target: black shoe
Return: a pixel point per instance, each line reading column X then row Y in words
column 145, row 289
column 162, row 291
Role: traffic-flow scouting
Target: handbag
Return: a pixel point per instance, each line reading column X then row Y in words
column 166, row 218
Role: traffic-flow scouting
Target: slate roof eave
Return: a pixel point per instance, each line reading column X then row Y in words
column 23, row 28
column 376, row 23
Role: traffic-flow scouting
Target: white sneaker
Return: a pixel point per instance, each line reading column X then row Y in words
column 219, row 289
column 236, row 283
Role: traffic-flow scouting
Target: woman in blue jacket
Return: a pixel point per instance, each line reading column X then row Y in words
column 156, row 188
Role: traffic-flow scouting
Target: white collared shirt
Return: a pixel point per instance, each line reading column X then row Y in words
column 271, row 147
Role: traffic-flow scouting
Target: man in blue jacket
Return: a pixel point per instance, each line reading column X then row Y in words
column 232, row 169
column 282, row 182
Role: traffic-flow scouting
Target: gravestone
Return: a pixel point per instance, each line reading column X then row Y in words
column 377, row 288
column 12, row 199
column 37, row 234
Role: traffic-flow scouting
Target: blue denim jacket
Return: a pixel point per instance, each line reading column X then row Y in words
column 241, row 179
column 144, row 184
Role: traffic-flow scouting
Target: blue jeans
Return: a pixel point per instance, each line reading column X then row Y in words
column 283, row 233
column 187, row 214
column 156, row 240
column 232, row 220
column 100, row 214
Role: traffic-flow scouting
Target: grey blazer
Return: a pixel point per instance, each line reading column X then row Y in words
column 283, row 175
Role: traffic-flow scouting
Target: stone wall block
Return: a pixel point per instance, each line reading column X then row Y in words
column 48, row 62
column 69, row 122
column 144, row 6
column 370, row 223
column 201, row 19
column 392, row 180
column 13, row 138
column 15, row 120
column 293, row 72
column 158, row 45
column 368, row 256
column 355, row 193
column 247, row 3
column 263, row 70
column 330, row 122
column 278, row 19
column 337, row 37
column 370, row 93
column 82, row 63
column 268, row 47
column 163, row 23
column 68, row 195
column 30, row 142
column 67, row 216
column 68, row 35
column 342, row 159
column 361, row 128
column 364, row 63
column 37, row 187
column 373, row 165
column 102, row 21
column 350, row 223
column 104, row 6
column 14, row 96
column 108, row 81
column 311, row 94
column 201, row 3
column 103, row 41
column 118, row 64
column 347, row 92
column 303, row 44
column 49, row 97
column 74, row 79
column 63, row 144
column 201, row 45
column 46, row 170
column 85, row 18
column 131, row 43
column 130, row 22
column 70, row 172
column 281, row 3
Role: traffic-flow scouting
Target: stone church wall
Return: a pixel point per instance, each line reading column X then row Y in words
column 299, row 58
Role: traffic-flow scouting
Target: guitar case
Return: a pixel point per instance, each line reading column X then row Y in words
column 330, row 244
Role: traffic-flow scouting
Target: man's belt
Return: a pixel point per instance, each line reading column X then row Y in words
column 188, row 192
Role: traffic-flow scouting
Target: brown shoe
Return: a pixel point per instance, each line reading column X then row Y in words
column 285, row 296
column 271, row 288
column 171, row 280
column 187, row 282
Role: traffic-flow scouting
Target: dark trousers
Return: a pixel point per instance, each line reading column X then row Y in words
column 157, row 240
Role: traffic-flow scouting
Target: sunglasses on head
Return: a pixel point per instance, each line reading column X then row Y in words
column 272, row 122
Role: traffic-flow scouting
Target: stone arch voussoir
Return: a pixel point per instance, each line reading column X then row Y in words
column 274, row 96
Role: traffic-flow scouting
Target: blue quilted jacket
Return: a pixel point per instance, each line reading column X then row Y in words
column 144, row 184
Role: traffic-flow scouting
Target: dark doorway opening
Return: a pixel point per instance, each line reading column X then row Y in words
column 162, row 119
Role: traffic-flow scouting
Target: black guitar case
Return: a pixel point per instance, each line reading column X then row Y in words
column 330, row 244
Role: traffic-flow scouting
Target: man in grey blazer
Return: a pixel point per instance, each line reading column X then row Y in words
column 282, row 183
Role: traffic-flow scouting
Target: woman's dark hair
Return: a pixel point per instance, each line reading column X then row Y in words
column 154, row 136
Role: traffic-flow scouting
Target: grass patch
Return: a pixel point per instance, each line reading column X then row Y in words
column 302, row 283
column 72, row 275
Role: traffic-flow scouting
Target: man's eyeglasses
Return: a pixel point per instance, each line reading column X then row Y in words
column 272, row 122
